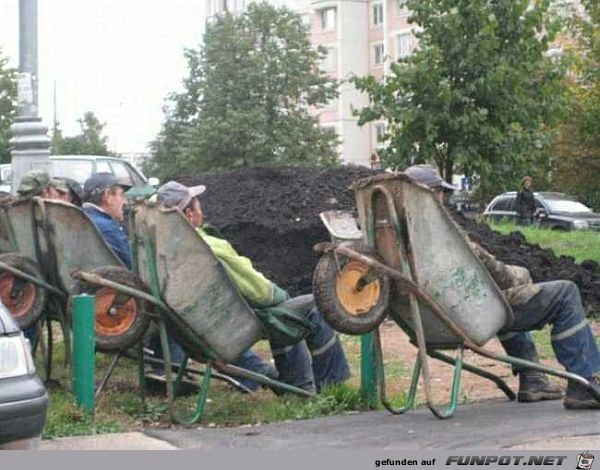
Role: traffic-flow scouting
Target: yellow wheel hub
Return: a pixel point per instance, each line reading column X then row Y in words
column 354, row 301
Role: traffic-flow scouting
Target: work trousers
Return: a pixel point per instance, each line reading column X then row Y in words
column 559, row 304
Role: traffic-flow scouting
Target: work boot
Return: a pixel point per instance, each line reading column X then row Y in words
column 580, row 397
column 535, row 386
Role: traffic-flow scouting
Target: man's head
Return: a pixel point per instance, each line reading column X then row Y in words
column 527, row 182
column 38, row 183
column 105, row 191
column 174, row 194
column 428, row 176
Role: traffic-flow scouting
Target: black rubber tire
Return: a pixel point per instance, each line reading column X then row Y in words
column 119, row 341
column 38, row 295
column 326, row 297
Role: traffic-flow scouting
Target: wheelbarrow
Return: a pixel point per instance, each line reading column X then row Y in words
column 189, row 293
column 414, row 266
column 27, row 286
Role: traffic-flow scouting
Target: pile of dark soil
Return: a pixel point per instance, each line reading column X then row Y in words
column 271, row 215
column 543, row 264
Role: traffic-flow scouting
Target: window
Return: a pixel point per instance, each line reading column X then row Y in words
column 79, row 170
column 504, row 204
column 120, row 171
column 377, row 14
column 328, row 19
column 327, row 63
column 240, row 5
column 404, row 45
column 379, row 133
column 305, row 21
column 102, row 166
column 401, row 9
column 378, row 54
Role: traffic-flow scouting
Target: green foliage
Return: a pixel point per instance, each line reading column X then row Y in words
column 577, row 153
column 89, row 142
column 8, row 106
column 478, row 95
column 246, row 98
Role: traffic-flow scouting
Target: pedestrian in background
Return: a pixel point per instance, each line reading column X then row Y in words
column 525, row 202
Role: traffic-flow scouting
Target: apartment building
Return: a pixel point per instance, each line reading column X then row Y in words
column 361, row 37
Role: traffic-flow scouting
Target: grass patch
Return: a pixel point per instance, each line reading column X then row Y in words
column 581, row 245
column 120, row 409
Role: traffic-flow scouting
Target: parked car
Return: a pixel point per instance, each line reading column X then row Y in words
column 81, row 167
column 23, row 398
column 5, row 178
column 555, row 211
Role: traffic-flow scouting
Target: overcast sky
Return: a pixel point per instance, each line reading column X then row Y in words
column 117, row 58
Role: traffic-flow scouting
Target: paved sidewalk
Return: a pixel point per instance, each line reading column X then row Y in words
column 123, row 441
column 492, row 425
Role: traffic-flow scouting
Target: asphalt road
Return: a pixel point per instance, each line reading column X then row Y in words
column 490, row 425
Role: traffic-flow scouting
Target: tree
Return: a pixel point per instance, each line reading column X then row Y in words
column 478, row 95
column 8, row 106
column 577, row 152
column 89, row 142
column 247, row 97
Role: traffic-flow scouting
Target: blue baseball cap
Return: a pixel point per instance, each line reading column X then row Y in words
column 98, row 182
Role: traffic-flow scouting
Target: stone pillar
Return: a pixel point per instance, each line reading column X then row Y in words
column 30, row 141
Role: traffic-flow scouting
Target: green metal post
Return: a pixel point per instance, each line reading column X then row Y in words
column 368, row 370
column 84, row 358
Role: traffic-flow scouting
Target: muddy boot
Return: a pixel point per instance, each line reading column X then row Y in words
column 580, row 398
column 535, row 386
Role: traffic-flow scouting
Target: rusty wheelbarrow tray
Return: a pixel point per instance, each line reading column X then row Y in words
column 27, row 286
column 441, row 295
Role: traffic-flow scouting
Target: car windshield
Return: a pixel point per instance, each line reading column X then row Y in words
column 562, row 205
column 79, row 170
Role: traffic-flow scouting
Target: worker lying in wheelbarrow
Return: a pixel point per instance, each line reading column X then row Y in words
column 294, row 364
column 535, row 305
column 38, row 183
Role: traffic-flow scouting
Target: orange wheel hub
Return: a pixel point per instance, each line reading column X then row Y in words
column 356, row 302
column 113, row 323
column 20, row 302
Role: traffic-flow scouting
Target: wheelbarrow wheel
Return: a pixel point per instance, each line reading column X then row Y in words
column 345, row 307
column 24, row 300
column 117, row 327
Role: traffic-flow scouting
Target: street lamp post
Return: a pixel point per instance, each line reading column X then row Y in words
column 30, row 141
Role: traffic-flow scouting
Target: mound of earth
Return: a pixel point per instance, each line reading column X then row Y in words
column 543, row 264
column 271, row 215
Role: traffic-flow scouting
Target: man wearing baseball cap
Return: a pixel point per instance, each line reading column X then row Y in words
column 293, row 363
column 37, row 183
column 104, row 200
column 535, row 305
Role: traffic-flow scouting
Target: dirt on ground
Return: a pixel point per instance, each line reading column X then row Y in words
column 271, row 215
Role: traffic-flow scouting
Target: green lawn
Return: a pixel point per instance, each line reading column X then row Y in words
column 581, row 245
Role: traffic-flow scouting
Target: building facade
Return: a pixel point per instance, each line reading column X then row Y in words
column 361, row 37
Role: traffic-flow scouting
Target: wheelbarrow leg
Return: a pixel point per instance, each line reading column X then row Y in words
column 420, row 334
column 502, row 385
column 202, row 395
column 141, row 371
column 47, row 349
column 380, row 374
column 109, row 371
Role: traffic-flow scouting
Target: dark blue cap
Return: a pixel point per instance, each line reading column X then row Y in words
column 98, row 182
